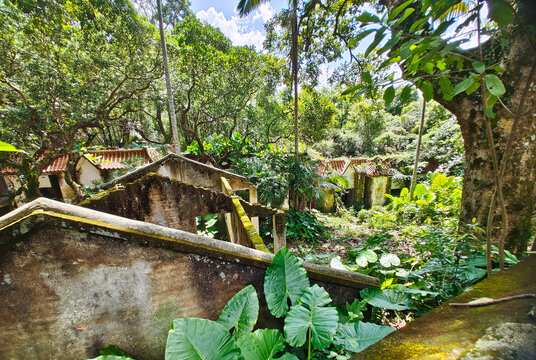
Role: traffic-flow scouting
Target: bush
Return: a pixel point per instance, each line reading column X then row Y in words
column 303, row 225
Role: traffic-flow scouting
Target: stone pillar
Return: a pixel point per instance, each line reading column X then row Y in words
column 253, row 200
column 280, row 231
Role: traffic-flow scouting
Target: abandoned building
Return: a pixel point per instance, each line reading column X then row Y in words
column 367, row 183
column 92, row 167
column 73, row 280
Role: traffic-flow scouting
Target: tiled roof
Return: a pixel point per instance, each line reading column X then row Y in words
column 363, row 166
column 58, row 166
column 337, row 165
column 357, row 162
column 108, row 160
column 114, row 159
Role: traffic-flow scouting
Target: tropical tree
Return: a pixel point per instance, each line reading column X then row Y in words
column 217, row 83
column 317, row 115
column 486, row 86
column 68, row 71
column 245, row 7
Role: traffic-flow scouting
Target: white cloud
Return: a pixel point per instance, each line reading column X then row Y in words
column 265, row 12
column 240, row 31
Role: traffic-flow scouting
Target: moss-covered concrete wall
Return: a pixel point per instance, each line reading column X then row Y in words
column 73, row 280
column 167, row 202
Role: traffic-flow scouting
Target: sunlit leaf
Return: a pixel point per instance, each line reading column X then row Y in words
column 200, row 339
column 494, row 85
column 285, row 279
column 358, row 336
column 241, row 312
column 311, row 315
column 386, row 299
column 389, row 95
column 262, row 344
column 389, row 260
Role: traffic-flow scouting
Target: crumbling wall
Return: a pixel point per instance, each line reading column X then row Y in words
column 75, row 281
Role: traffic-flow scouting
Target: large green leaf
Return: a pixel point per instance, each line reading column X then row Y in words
column 200, row 339
column 500, row 12
column 389, row 260
column 285, row 279
column 386, row 299
column 312, row 315
column 494, row 85
column 262, row 344
column 462, row 86
column 365, row 257
column 358, row 336
column 389, row 95
column 427, row 90
column 288, row 356
column 241, row 312
column 8, row 147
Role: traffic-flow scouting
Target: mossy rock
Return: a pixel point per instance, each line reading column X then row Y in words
column 454, row 333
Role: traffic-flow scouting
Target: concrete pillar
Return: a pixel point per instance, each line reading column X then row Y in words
column 280, row 231
column 253, row 200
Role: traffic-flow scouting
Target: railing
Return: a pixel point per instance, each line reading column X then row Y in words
column 242, row 230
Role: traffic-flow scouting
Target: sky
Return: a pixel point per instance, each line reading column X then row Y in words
column 242, row 31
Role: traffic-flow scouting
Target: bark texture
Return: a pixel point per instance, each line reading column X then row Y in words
column 520, row 175
column 514, row 49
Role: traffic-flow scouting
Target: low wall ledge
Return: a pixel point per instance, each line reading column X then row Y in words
column 69, row 215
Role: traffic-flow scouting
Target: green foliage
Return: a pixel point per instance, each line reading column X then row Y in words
column 386, row 299
column 8, row 147
column 310, row 324
column 200, row 339
column 310, row 320
column 285, row 280
column 316, row 115
column 208, row 225
column 303, row 225
column 240, row 314
column 263, row 344
column 112, row 352
column 358, row 336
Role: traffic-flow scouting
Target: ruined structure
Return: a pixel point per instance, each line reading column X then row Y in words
column 172, row 203
column 241, row 219
column 94, row 166
column 73, row 280
column 367, row 183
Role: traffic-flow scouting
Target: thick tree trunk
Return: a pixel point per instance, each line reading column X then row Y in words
column 520, row 174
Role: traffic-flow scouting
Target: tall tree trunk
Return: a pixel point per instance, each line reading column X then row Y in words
column 294, row 61
column 417, row 150
column 171, row 105
column 520, row 174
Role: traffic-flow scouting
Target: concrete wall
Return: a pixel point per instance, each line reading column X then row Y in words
column 376, row 188
column 87, row 172
column 73, row 280
column 167, row 202
column 186, row 170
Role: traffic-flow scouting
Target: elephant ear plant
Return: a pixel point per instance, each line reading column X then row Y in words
column 309, row 323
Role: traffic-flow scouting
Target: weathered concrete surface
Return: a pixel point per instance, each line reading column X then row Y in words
column 168, row 202
column 186, row 170
column 73, row 280
column 502, row 331
column 376, row 188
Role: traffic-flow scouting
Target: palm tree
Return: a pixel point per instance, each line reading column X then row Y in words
column 245, row 7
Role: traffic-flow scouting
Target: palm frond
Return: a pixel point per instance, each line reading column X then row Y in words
column 454, row 11
column 244, row 7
